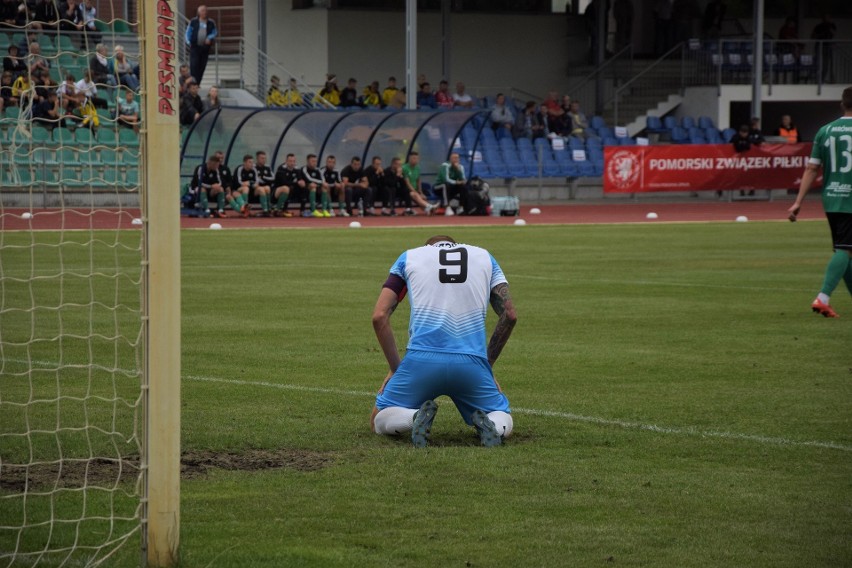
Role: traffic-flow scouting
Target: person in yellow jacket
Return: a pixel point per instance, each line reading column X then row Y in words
column 292, row 96
column 330, row 93
column 389, row 92
column 371, row 97
column 274, row 96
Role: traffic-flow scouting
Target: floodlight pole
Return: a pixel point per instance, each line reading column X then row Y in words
column 411, row 53
column 757, row 64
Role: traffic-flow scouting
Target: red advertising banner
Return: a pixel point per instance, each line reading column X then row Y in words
column 696, row 167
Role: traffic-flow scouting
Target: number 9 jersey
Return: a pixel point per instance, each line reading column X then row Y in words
column 449, row 287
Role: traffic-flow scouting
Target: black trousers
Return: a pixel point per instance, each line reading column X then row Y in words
column 356, row 193
column 198, row 55
column 391, row 194
column 448, row 192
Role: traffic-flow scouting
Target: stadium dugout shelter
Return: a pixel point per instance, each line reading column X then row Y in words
column 341, row 133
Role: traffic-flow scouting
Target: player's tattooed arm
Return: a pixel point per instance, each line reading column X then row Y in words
column 385, row 306
column 501, row 302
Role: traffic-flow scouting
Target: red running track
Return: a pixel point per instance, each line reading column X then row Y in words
column 682, row 212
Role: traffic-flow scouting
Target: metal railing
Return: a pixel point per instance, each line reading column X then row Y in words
column 653, row 80
column 611, row 73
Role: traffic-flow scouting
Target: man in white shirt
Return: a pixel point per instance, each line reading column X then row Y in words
column 462, row 99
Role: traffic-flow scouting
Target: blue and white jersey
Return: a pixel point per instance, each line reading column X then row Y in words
column 449, row 286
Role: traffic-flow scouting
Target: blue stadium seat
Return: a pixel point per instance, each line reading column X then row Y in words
column 670, row 122
column 593, row 142
column 626, row 141
column 687, row 122
column 727, row 134
column 705, row 122
column 712, row 135
column 597, row 122
column 679, row 135
column 606, row 132
column 575, row 143
column 610, row 141
column 653, row 125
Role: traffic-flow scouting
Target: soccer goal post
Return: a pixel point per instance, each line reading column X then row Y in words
column 161, row 282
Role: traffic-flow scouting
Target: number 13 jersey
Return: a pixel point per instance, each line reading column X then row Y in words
column 449, row 286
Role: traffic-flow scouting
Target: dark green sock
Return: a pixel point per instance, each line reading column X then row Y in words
column 220, row 201
column 264, row 202
column 835, row 271
column 281, row 202
column 202, row 198
column 235, row 204
column 848, row 277
column 326, row 202
column 313, row 200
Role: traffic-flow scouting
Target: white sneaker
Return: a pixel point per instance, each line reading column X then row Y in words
column 449, row 212
column 429, row 209
column 344, row 213
column 331, row 213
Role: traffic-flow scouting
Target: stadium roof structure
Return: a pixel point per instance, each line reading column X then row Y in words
column 342, row 133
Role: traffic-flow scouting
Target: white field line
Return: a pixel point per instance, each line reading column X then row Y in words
column 570, row 416
column 689, row 431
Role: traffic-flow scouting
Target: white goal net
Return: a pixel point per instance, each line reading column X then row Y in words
column 71, row 273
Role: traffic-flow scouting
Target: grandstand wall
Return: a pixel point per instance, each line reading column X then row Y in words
column 488, row 50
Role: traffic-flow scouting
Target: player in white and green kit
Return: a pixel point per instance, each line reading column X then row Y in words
column 832, row 153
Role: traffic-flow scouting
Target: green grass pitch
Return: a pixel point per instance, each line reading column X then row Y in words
column 676, row 403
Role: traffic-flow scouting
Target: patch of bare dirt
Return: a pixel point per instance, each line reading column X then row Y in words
column 196, row 463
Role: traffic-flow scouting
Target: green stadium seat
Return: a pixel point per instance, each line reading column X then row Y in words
column 71, row 177
column 89, row 157
column 126, row 137
column 67, row 60
column 63, row 137
column 84, row 136
column 18, row 37
column 67, row 157
column 101, row 26
column 130, row 158
column 22, row 156
column 20, row 175
column 46, row 177
column 132, row 178
column 12, row 112
column 120, row 27
column 45, row 42
column 4, row 42
column 64, row 44
column 44, row 156
column 111, row 177
column 41, row 135
column 110, row 158
column 107, row 135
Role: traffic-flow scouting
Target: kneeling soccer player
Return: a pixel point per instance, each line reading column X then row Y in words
column 449, row 287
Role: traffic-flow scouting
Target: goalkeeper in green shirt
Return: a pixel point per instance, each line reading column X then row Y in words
column 832, row 153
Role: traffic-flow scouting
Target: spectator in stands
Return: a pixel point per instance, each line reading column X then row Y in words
column 622, row 12
column 9, row 13
column 14, row 64
column 411, row 178
column 288, row 180
column 191, row 105
column 357, row 188
column 451, row 184
column 200, row 35
column 371, row 97
column 755, row 136
column 788, row 130
column 274, row 96
column 789, row 31
column 389, row 92
column 443, row 97
column 212, row 99
column 425, row 98
column 336, row 188
column 714, row 15
column 43, row 15
column 99, row 65
column 127, row 110
column 528, row 123
column 206, row 184
column 824, row 32
column 375, row 175
column 544, row 119
column 395, row 189
column 123, row 69
column 462, row 99
column 24, row 44
column 7, row 98
column 551, row 101
column 399, row 100
column 69, row 97
column 501, row 116
column 183, row 77
column 71, row 16
column 245, row 184
column 37, row 64
column 349, row 95
column 579, row 124
column 292, row 96
column 314, row 183
column 48, row 112
column 330, row 92
column 22, row 88
column 90, row 16
column 90, row 89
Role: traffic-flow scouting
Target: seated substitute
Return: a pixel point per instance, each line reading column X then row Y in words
column 452, row 184
column 245, row 183
column 265, row 178
column 395, row 189
column 336, row 188
column 449, row 287
column 206, row 184
column 375, row 175
column 313, row 182
column 357, row 188
column 287, row 180
column 411, row 177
